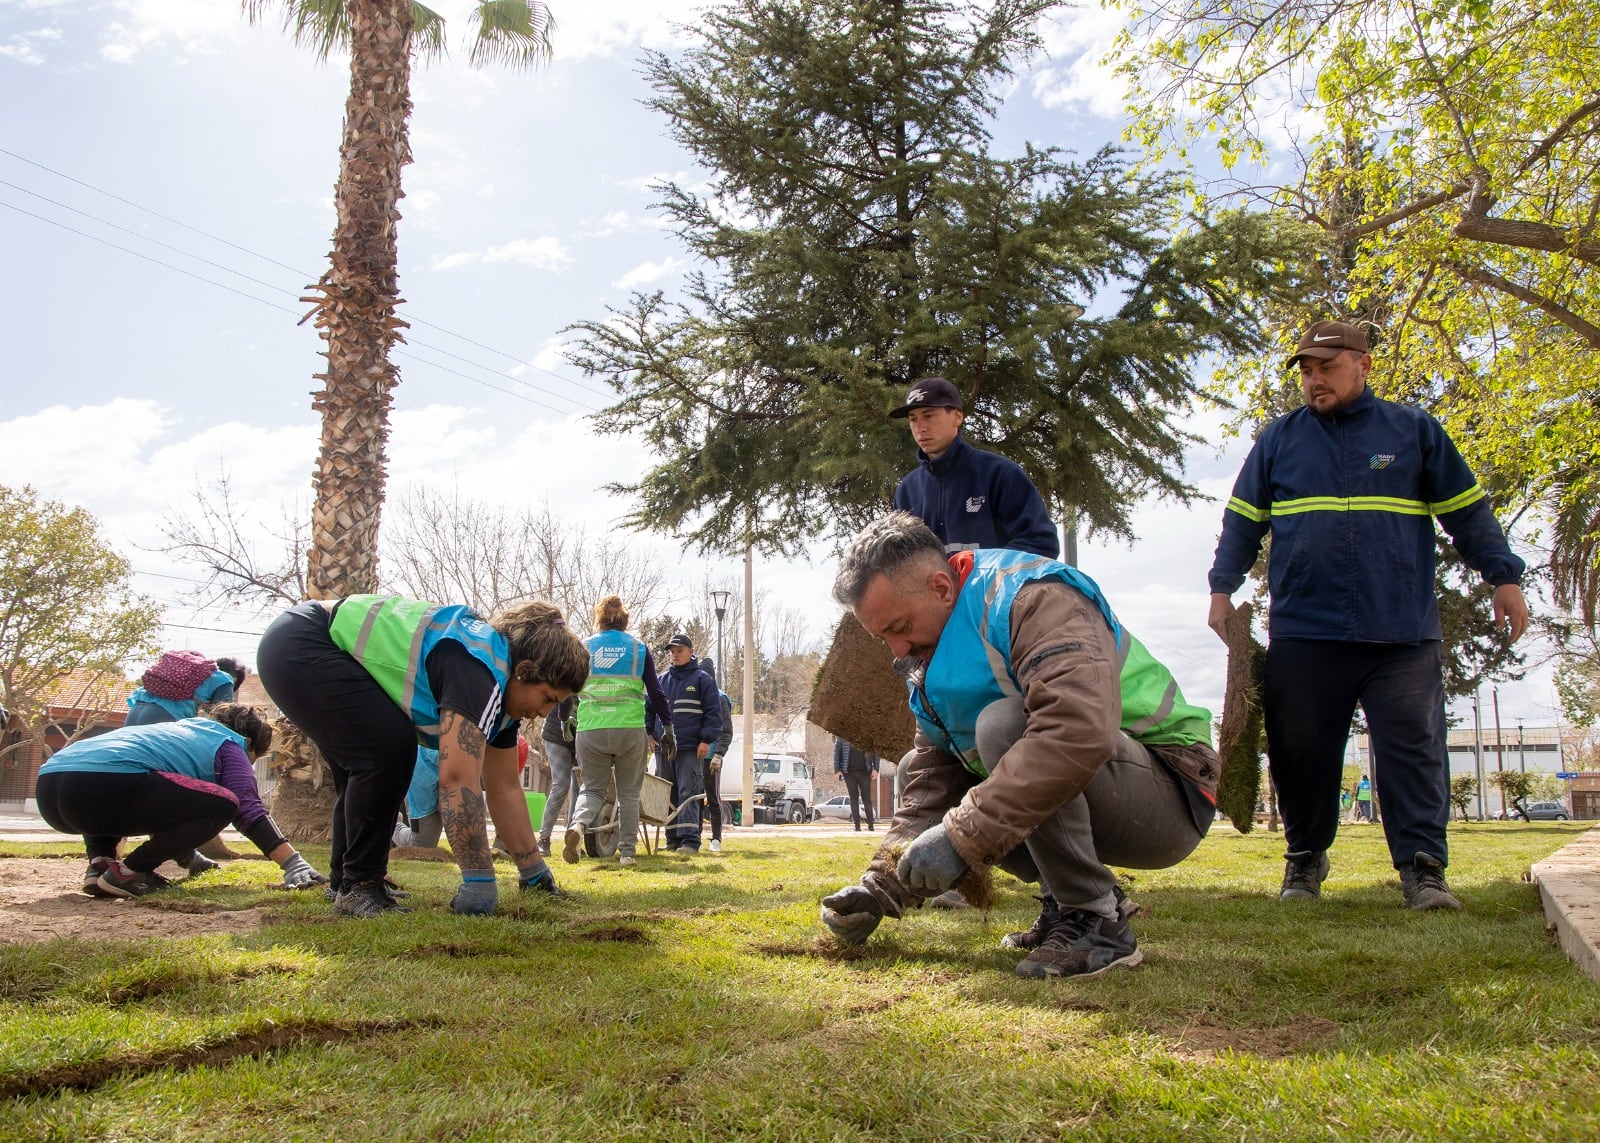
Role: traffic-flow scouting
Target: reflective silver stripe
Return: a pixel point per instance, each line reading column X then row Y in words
column 1124, row 649
column 1154, row 718
column 408, row 695
column 367, row 621
column 998, row 667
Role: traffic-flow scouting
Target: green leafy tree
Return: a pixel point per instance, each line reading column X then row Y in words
column 66, row 605
column 859, row 233
column 353, row 305
column 1514, row 787
column 1450, row 156
column 1463, row 788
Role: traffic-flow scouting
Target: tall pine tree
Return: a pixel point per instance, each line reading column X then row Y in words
column 858, row 233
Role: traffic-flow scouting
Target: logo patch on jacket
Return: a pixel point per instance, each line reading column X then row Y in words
column 975, row 503
column 1381, row 460
column 607, row 656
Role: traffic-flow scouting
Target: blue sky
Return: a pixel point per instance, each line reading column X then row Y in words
column 166, row 175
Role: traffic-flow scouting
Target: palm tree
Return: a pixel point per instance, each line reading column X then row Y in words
column 354, row 302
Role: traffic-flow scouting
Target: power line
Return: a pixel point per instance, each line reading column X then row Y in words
column 296, row 313
column 275, row 262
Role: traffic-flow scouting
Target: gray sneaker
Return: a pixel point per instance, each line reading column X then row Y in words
column 121, row 881
column 367, row 899
column 91, row 877
column 1082, row 944
column 1423, row 884
column 1303, row 874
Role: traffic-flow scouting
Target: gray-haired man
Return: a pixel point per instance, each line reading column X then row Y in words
column 1049, row 742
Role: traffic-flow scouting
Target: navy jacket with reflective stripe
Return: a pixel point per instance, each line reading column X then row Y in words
column 1350, row 499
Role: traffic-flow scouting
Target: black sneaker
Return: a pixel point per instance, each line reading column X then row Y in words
column 1303, row 874
column 367, row 899
column 91, row 877
column 1031, row 938
column 199, row 863
column 1423, row 884
column 1082, row 944
column 120, row 881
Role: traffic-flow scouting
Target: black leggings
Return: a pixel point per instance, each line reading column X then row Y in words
column 368, row 741
column 178, row 814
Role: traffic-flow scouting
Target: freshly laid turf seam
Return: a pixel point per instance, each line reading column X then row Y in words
column 96, row 1073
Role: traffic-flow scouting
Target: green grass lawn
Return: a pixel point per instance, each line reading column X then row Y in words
column 696, row 999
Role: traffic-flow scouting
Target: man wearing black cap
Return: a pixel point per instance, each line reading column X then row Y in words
column 1348, row 486
column 696, row 723
column 969, row 497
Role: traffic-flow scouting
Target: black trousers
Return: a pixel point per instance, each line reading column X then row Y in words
column 1311, row 692
column 368, row 741
column 177, row 813
column 858, row 784
column 711, row 782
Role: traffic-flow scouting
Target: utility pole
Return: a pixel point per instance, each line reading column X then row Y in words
column 1477, row 743
column 1522, row 752
column 1499, row 752
column 747, row 814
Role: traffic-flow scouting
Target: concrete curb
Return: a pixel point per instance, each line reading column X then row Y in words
column 1569, row 887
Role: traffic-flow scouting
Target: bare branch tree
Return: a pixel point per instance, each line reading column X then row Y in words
column 242, row 563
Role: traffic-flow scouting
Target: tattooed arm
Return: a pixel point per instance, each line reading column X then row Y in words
column 508, row 807
column 461, row 803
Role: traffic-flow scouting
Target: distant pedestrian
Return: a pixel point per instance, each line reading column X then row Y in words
column 696, row 724
column 712, row 766
column 858, row 769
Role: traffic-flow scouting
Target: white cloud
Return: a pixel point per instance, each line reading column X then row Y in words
column 542, row 253
column 1076, row 74
column 23, row 47
column 191, row 27
column 647, row 272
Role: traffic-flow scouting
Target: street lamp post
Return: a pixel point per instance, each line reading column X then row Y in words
column 719, row 604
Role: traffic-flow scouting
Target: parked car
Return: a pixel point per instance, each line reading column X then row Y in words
column 834, row 809
column 1547, row 812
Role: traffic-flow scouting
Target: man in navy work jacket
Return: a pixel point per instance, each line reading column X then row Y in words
column 696, row 723
column 968, row 497
column 1349, row 485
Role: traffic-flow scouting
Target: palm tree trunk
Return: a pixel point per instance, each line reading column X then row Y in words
column 355, row 304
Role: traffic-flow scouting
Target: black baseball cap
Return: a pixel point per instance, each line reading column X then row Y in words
column 1327, row 339
column 929, row 393
column 681, row 640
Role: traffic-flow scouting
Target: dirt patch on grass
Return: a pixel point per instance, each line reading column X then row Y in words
column 1204, row 1040
column 43, row 898
column 276, row 1036
column 626, row 934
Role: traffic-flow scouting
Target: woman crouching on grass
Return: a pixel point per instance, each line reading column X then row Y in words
column 370, row 677
column 180, row 782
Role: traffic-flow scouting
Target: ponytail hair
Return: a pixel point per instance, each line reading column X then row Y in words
column 246, row 722
column 610, row 615
column 543, row 647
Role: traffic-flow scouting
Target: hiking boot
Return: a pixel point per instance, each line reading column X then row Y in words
column 1031, row 938
column 1082, row 944
column 1303, row 874
column 367, row 899
column 1423, row 884
column 91, row 877
column 572, row 844
column 120, row 881
column 199, row 863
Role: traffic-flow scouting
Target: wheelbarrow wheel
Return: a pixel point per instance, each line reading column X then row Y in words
column 606, row 836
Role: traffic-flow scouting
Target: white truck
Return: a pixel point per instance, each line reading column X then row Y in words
column 782, row 788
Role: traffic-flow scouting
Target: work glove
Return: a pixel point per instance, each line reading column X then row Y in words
column 538, row 879
column 298, row 873
column 716, row 763
column 478, row 894
column 669, row 741
column 930, row 864
column 852, row 913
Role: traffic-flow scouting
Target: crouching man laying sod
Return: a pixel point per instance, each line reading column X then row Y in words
column 1049, row 742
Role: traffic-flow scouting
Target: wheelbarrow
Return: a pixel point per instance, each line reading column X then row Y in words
column 655, row 809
